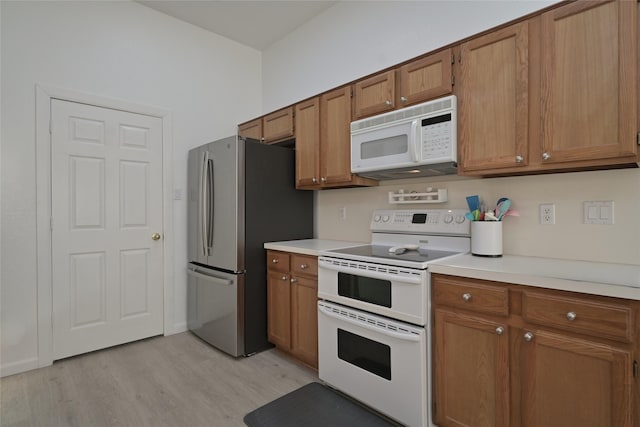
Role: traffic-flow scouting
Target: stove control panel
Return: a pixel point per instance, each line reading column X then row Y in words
column 421, row 221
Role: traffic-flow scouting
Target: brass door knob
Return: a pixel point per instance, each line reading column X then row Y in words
column 155, row 236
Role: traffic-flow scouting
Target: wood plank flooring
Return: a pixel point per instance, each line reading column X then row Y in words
column 170, row 381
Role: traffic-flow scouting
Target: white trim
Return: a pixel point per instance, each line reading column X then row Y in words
column 19, row 366
column 44, row 94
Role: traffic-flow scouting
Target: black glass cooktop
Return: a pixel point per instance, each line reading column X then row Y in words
column 420, row 256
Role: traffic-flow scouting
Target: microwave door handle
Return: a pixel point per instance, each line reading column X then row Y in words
column 202, row 205
column 398, row 335
column 210, row 203
column 416, row 140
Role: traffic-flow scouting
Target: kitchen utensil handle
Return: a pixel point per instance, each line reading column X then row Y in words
column 405, row 336
column 417, row 140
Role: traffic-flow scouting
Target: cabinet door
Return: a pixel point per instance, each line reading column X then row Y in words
column 569, row 381
column 335, row 136
column 589, row 81
column 308, row 143
column 304, row 319
column 279, row 309
column 252, row 129
column 278, row 125
column 493, row 100
column 471, row 371
column 425, row 78
column 375, row 95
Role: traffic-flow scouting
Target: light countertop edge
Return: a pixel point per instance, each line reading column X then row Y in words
column 614, row 280
column 310, row 246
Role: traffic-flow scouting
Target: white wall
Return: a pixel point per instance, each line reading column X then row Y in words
column 353, row 39
column 120, row 50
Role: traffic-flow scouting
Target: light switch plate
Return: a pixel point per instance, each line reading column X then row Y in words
column 598, row 212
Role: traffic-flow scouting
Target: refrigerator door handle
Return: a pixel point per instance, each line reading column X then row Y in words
column 202, row 208
column 210, row 202
column 212, row 279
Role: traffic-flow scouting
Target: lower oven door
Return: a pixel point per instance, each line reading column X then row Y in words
column 378, row 361
column 397, row 292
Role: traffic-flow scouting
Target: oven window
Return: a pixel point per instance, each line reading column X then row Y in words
column 383, row 147
column 367, row 354
column 374, row 291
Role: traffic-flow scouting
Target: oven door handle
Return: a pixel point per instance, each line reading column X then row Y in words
column 373, row 274
column 405, row 336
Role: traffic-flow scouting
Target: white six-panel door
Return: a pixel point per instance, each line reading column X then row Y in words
column 106, row 191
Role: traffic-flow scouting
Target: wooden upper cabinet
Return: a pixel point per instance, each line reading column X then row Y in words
column 589, row 81
column 278, row 125
column 252, row 129
column 493, row 91
column 375, row 95
column 425, row 78
column 307, row 120
column 335, row 133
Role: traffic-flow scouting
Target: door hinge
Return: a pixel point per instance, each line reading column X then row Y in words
column 635, row 369
column 453, row 80
column 453, row 56
column 638, row 135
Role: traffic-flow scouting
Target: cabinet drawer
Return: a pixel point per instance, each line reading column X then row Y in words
column 304, row 264
column 471, row 295
column 278, row 261
column 603, row 319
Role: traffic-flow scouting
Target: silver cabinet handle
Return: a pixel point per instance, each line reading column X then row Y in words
column 571, row 316
column 314, row 180
column 284, row 277
column 323, row 179
column 293, row 280
column 499, row 330
column 466, row 297
column 275, row 260
column 519, row 159
column 403, row 99
column 546, row 156
column 528, row 336
column 304, row 266
column 388, row 102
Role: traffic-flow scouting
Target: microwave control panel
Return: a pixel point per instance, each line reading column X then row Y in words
column 438, row 139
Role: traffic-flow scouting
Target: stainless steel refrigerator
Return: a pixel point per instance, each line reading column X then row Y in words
column 241, row 195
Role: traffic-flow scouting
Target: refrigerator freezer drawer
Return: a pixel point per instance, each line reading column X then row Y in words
column 214, row 310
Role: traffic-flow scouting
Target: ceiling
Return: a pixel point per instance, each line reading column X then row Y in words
column 258, row 24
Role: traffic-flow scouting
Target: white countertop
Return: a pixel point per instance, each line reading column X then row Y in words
column 615, row 280
column 310, row 246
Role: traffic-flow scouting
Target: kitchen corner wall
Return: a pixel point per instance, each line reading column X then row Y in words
column 354, row 39
column 569, row 238
column 110, row 49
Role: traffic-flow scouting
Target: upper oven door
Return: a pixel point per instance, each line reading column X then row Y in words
column 396, row 292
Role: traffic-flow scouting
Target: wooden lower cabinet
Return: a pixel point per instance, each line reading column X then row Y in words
column 531, row 367
column 292, row 297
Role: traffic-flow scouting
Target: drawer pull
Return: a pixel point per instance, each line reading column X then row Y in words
column 284, row 277
column 304, row 266
column 466, row 297
column 571, row 316
column 293, row 280
column 528, row 336
column 275, row 261
column 499, row 330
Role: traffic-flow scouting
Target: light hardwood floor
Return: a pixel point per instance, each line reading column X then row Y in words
column 171, row 381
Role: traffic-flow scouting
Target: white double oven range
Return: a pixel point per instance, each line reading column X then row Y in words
column 374, row 316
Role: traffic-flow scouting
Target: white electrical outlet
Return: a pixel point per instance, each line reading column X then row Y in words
column 547, row 214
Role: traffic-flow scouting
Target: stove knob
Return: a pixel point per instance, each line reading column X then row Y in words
column 448, row 219
column 376, row 218
column 385, row 218
column 460, row 219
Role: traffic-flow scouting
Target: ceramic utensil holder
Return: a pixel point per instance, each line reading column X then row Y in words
column 486, row 238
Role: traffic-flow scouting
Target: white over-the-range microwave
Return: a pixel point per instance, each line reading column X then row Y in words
column 416, row 141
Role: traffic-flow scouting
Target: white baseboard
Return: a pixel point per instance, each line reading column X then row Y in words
column 177, row 328
column 18, row 367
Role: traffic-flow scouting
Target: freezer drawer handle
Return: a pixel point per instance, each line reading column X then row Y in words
column 212, row 279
